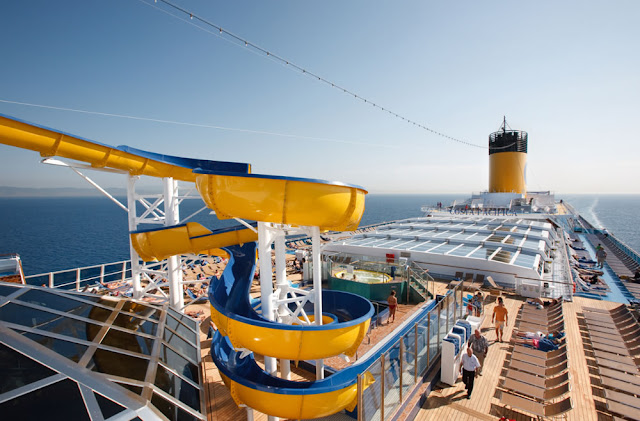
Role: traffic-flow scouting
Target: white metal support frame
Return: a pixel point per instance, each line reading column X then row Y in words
column 275, row 303
column 172, row 217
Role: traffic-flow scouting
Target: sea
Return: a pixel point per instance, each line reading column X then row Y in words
column 60, row 233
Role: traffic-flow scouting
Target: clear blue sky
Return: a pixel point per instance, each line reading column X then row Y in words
column 566, row 72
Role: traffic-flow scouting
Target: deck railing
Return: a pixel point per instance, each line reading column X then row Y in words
column 79, row 278
column 401, row 368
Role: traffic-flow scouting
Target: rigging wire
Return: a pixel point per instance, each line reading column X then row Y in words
column 206, row 126
column 239, row 41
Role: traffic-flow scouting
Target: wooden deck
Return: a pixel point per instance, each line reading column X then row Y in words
column 449, row 403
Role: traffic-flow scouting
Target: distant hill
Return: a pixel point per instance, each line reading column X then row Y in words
column 7, row 191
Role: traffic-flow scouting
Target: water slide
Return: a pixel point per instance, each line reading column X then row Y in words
column 232, row 191
column 49, row 142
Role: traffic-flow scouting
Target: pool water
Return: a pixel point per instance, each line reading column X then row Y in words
column 364, row 276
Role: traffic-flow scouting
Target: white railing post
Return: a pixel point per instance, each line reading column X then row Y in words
column 78, row 279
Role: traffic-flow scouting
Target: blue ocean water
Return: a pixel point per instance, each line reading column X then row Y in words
column 53, row 234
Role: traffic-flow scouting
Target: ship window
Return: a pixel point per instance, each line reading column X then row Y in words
column 180, row 344
column 19, row 370
column 61, row 400
column 128, row 341
column 117, row 364
column 126, row 321
column 6, row 290
column 43, row 320
column 108, row 407
column 177, row 387
column 135, row 389
column 503, row 256
column 463, row 251
column 171, row 410
column 185, row 332
column 66, row 305
column 178, row 363
column 140, row 310
column 525, row 260
column 71, row 350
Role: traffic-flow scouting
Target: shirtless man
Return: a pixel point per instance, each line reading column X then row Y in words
column 500, row 318
column 393, row 304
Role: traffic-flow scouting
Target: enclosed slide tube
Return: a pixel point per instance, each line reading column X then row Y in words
column 241, row 327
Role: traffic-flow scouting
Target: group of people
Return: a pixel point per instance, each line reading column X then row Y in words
column 478, row 347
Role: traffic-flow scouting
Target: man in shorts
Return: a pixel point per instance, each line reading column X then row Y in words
column 500, row 318
column 393, row 304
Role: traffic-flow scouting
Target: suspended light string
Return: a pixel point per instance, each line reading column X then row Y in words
column 206, row 126
column 239, row 41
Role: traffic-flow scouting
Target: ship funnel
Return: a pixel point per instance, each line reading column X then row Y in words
column 507, row 160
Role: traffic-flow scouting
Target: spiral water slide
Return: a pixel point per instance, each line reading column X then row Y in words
column 346, row 316
column 231, row 190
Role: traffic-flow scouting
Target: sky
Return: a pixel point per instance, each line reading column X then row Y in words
column 565, row 72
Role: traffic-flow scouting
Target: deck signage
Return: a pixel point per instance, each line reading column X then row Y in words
column 486, row 212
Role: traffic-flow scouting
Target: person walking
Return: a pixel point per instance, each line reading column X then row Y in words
column 500, row 317
column 469, row 370
column 393, row 304
column 601, row 255
column 480, row 347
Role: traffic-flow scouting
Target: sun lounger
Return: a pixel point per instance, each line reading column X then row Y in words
column 523, row 388
column 614, row 357
column 538, row 370
column 533, row 327
column 622, row 409
column 622, row 321
column 610, row 334
column 614, row 365
column 549, row 311
column 543, row 362
column 623, row 377
column 610, row 383
column 544, row 394
column 538, row 409
column 623, row 398
column 619, row 309
column 620, row 350
column 540, row 354
column 604, row 341
column 494, row 289
column 540, row 319
column 529, row 378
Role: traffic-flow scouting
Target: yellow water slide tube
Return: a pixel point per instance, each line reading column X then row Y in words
column 283, row 200
column 159, row 244
column 49, row 143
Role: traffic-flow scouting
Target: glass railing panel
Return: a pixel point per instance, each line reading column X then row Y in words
column 392, row 381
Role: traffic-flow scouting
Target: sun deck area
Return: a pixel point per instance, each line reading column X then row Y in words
column 586, row 390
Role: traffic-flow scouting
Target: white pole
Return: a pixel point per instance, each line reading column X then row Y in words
column 281, row 282
column 172, row 217
column 133, row 224
column 317, row 289
column 266, row 284
column 266, row 290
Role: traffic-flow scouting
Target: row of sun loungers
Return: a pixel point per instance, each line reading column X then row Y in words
column 614, row 337
column 537, row 381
